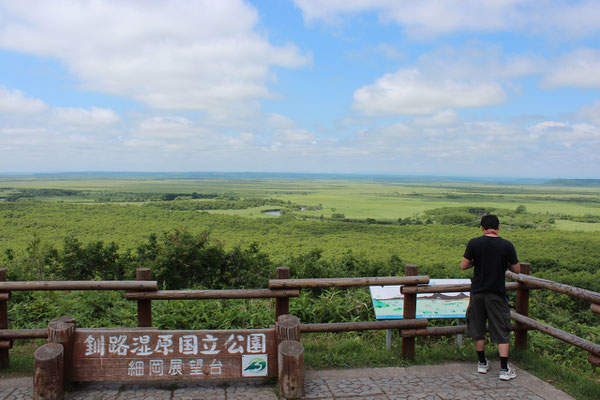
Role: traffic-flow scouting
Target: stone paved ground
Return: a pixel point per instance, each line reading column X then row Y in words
column 438, row 382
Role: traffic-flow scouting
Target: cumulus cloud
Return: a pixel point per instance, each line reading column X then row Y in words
column 442, row 118
column 15, row 101
column 166, row 129
column 187, row 54
column 427, row 18
column 278, row 121
column 82, row 117
column 589, row 113
column 409, row 92
column 287, row 132
column 580, row 69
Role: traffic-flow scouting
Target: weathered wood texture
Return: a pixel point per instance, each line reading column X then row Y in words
column 62, row 331
column 444, row 330
column 409, row 312
column 282, row 305
column 23, row 334
column 454, row 288
column 144, row 307
column 522, row 307
column 346, row 282
column 141, row 355
column 594, row 360
column 287, row 328
column 48, row 372
column 6, row 344
column 4, row 357
column 5, row 296
column 595, row 308
column 364, row 326
column 557, row 333
column 583, row 294
column 434, row 331
column 290, row 357
column 212, row 294
column 77, row 285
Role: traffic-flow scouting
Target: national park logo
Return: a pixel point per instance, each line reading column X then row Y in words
column 254, row 365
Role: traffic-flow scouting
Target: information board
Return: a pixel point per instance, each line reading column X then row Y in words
column 118, row 354
column 388, row 301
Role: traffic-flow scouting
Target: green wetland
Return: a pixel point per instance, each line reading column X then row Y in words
column 213, row 232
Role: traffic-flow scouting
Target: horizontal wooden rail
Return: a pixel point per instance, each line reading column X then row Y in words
column 346, row 282
column 78, row 285
column 595, row 308
column 435, row 331
column 594, row 360
column 454, row 288
column 443, row 331
column 8, row 334
column 211, row 294
column 557, row 333
column 5, row 344
column 364, row 325
column 584, row 294
column 5, row 296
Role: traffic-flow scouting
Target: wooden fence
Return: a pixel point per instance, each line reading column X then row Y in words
column 144, row 291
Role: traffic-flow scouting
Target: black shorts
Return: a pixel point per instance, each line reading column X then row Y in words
column 491, row 307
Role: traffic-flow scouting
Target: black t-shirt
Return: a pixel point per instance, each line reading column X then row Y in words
column 491, row 258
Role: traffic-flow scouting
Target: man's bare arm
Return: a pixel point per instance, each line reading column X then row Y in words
column 516, row 268
column 466, row 263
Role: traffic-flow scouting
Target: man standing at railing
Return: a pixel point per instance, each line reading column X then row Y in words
column 491, row 256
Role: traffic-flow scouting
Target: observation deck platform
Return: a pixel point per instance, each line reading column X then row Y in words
column 430, row 382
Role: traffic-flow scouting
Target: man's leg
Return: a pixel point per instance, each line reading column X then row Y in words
column 482, row 365
column 480, row 345
column 500, row 327
column 476, row 318
column 503, row 349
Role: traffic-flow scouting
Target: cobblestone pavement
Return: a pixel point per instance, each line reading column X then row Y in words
column 437, row 382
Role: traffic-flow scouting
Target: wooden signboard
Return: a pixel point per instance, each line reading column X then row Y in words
column 139, row 354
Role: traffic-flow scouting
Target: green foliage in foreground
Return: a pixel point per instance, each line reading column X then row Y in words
column 90, row 236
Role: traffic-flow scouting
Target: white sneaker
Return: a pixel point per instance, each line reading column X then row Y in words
column 482, row 368
column 508, row 374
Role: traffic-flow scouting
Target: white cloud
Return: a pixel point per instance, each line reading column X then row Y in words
column 568, row 135
column 426, row 18
column 476, row 60
column 81, row 117
column 278, row 121
column 442, row 118
column 589, row 113
column 295, row 136
column 15, row 101
column 166, row 129
column 580, row 69
column 186, row 54
column 409, row 92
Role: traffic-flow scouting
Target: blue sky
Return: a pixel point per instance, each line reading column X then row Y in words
column 457, row 87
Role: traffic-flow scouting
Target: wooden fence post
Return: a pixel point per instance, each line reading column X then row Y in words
column 62, row 331
column 287, row 328
column 144, row 306
column 290, row 357
column 3, row 322
column 290, row 362
column 282, row 304
column 409, row 312
column 522, row 307
column 48, row 372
